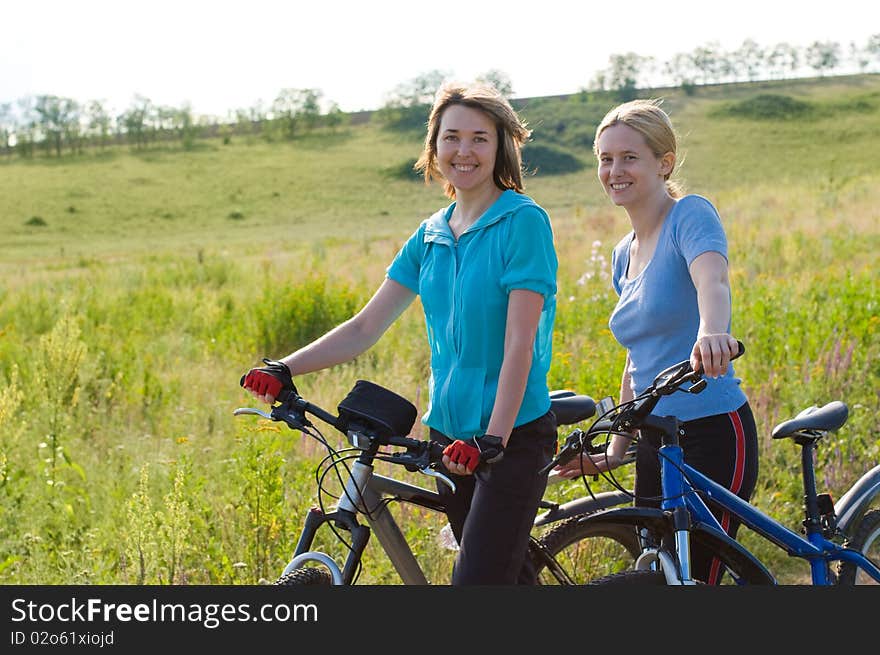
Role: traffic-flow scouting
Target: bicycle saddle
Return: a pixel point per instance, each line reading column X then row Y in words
column 814, row 419
column 571, row 409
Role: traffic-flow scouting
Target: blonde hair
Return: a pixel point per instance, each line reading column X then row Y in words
column 648, row 119
column 512, row 133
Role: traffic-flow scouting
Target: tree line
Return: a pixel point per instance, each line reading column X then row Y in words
column 749, row 62
column 57, row 125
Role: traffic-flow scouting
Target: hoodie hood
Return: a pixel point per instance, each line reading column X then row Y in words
column 437, row 226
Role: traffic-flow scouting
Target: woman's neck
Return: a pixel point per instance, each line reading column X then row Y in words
column 471, row 204
column 647, row 217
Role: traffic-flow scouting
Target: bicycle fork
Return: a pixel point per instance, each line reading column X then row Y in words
column 673, row 559
column 343, row 517
column 359, row 497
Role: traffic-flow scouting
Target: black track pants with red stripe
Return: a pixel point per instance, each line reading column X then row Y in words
column 723, row 447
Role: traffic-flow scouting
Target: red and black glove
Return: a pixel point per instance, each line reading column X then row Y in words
column 486, row 449
column 274, row 380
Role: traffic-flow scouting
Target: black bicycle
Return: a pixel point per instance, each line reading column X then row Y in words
column 375, row 420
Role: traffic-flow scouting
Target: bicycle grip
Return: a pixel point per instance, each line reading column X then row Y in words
column 741, row 349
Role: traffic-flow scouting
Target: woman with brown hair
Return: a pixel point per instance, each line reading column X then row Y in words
column 484, row 268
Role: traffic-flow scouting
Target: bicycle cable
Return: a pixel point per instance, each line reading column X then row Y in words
column 645, row 443
column 607, row 475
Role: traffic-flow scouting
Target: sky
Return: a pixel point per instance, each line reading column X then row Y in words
column 223, row 55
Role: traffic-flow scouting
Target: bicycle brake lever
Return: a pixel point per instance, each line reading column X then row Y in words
column 436, row 474
column 251, row 410
column 566, row 454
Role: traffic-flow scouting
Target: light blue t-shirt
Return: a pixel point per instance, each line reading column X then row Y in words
column 464, row 287
column 657, row 319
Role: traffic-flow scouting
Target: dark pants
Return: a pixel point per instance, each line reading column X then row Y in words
column 492, row 512
column 724, row 448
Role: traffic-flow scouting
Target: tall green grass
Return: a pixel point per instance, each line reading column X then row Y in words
column 127, row 319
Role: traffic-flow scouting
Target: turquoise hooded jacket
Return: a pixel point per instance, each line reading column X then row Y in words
column 464, row 287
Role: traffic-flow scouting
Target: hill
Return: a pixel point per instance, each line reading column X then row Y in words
column 247, row 193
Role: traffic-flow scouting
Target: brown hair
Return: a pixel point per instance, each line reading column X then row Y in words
column 648, row 119
column 512, row 133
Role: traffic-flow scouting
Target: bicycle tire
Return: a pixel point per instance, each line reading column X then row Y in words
column 631, row 578
column 585, row 551
column 866, row 540
column 305, row 575
column 736, row 570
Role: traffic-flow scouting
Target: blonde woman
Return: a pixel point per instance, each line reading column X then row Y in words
column 671, row 275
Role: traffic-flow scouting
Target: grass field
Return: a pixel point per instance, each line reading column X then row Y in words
column 138, row 287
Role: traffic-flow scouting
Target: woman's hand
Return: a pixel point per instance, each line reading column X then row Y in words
column 588, row 465
column 712, row 353
column 463, row 456
column 268, row 382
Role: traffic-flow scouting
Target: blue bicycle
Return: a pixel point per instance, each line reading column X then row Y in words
column 841, row 541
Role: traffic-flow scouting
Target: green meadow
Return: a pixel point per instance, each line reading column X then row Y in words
column 136, row 287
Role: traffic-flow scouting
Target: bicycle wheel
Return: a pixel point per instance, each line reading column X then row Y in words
column 305, row 575
column 642, row 578
column 583, row 551
column 737, row 568
column 866, row 540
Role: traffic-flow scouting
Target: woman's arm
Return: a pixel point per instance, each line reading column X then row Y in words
column 523, row 315
column 714, row 345
column 618, row 445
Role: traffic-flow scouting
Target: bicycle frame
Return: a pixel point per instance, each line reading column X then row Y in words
column 364, row 494
column 815, row 548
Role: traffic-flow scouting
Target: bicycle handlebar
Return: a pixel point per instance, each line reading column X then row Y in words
column 629, row 416
column 579, row 441
column 422, row 456
column 632, row 413
column 291, row 408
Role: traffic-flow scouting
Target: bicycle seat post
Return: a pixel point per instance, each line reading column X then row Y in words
column 812, row 523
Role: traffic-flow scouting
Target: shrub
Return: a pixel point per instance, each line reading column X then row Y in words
column 408, row 120
column 290, row 317
column 768, row 107
column 570, row 124
column 405, row 170
column 547, row 160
